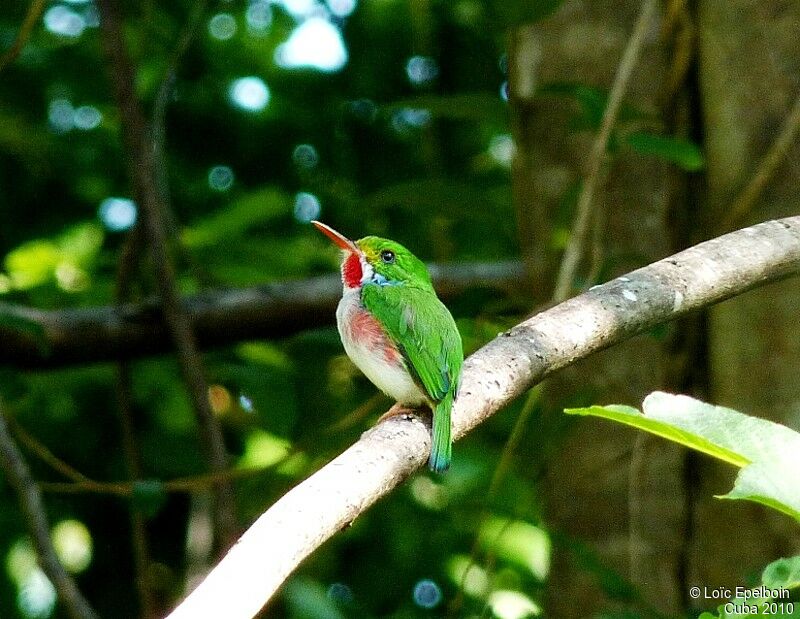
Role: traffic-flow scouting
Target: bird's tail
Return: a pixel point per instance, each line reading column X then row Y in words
column 441, row 444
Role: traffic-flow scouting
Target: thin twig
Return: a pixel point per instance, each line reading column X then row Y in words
column 127, row 264
column 747, row 198
column 34, row 12
column 81, row 484
column 315, row 510
column 133, row 464
column 143, row 174
column 594, row 178
column 188, row 485
column 45, row 455
column 30, row 500
column 163, row 95
column 128, row 260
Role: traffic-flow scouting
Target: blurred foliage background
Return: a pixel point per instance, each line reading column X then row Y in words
column 411, row 120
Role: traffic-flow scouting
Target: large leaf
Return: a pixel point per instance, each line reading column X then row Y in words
column 255, row 208
column 770, row 599
column 682, row 153
column 767, row 452
column 592, row 103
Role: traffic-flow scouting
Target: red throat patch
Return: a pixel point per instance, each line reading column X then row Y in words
column 351, row 271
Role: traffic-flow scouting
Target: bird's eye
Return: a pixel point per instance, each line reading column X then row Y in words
column 387, row 255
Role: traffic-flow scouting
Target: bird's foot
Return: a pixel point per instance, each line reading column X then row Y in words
column 407, row 412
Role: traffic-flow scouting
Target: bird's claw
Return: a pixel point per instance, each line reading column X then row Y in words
column 399, row 410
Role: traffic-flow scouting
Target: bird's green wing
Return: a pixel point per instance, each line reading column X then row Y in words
column 423, row 330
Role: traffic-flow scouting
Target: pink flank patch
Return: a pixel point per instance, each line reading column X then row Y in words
column 366, row 330
column 351, row 271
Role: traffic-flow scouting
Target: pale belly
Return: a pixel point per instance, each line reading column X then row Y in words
column 368, row 347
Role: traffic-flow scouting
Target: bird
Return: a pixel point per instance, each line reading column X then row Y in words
column 398, row 333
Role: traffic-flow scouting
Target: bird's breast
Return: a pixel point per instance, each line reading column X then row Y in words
column 373, row 352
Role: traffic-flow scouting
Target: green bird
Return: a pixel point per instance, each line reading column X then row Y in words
column 398, row 332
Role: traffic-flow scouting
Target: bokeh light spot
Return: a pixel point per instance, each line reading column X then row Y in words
column 299, row 9
column 73, row 544
column 258, row 16
column 502, row 149
column 70, row 277
column 340, row 593
column 306, row 207
column 421, row 70
column 36, row 597
column 427, row 594
column 219, row 398
column 117, row 214
column 305, row 156
column 61, row 115
column 20, row 561
column 341, row 8
column 507, row 604
column 220, row 178
column 315, row 44
column 249, row 93
column 504, row 91
column 87, row 117
column 63, row 21
column 246, row 403
column 409, row 118
column 222, row 26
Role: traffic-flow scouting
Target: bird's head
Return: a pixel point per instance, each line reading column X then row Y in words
column 377, row 261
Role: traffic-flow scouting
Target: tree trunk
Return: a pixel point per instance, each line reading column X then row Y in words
column 609, row 496
column 749, row 80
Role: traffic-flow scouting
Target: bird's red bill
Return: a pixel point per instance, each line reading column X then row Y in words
column 339, row 239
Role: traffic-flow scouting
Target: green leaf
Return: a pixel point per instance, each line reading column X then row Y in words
column 32, row 263
column 591, row 103
column 779, row 575
column 782, row 574
column 80, row 244
column 768, row 452
column 257, row 207
column 519, row 542
column 685, row 154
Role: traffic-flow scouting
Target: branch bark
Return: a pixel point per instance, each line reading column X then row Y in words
column 334, row 496
column 30, row 500
column 130, row 330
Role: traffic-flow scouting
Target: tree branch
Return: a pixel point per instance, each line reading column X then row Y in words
column 85, row 335
column 143, row 175
column 765, row 170
column 31, row 17
column 30, row 500
column 593, row 178
column 334, row 496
